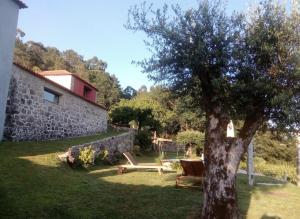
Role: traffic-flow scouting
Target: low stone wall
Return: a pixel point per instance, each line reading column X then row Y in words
column 120, row 143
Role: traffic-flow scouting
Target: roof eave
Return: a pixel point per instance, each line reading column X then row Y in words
column 58, row 85
column 20, row 4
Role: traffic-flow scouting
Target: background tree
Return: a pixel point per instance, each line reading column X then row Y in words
column 38, row 57
column 129, row 92
column 144, row 109
column 242, row 67
column 95, row 64
column 275, row 147
column 143, row 88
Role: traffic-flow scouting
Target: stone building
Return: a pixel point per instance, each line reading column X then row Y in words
column 39, row 108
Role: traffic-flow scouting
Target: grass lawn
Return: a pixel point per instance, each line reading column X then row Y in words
column 33, row 184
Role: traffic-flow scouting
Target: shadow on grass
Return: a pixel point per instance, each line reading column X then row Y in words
column 31, row 189
column 33, row 184
column 269, row 217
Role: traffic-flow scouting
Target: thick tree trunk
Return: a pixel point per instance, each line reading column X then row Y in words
column 222, row 157
column 220, row 200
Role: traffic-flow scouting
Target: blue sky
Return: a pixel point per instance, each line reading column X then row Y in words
column 96, row 28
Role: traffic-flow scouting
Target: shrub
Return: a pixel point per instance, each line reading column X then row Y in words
column 278, row 170
column 176, row 166
column 143, row 139
column 103, row 154
column 159, row 158
column 86, row 156
column 189, row 138
column 109, row 157
column 275, row 147
column 136, row 150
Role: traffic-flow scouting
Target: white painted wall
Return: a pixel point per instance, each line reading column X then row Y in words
column 63, row 80
column 9, row 11
column 298, row 160
column 250, row 164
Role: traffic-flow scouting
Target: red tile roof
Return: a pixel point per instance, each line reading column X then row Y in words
column 65, row 72
column 57, row 85
column 20, row 3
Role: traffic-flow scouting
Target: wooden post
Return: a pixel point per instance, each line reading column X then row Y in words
column 250, row 167
column 298, row 160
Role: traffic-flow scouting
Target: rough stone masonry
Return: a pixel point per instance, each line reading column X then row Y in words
column 30, row 117
column 119, row 143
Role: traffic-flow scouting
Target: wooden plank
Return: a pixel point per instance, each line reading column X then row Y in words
column 141, row 167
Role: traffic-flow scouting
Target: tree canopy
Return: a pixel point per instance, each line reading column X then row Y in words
column 243, row 67
column 246, row 63
column 167, row 114
column 129, row 92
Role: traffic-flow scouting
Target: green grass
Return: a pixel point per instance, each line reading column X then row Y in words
column 277, row 170
column 33, row 184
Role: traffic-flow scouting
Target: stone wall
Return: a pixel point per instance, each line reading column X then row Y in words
column 120, row 143
column 30, row 117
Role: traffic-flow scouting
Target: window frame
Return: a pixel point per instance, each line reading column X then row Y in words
column 86, row 90
column 52, row 92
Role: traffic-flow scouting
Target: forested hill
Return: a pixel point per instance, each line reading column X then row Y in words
column 38, row 57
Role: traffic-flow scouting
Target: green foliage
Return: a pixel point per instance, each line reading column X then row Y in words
column 143, row 139
column 176, row 166
column 58, row 191
column 136, row 150
column 129, row 93
column 37, row 57
column 269, row 64
column 160, row 157
column 86, row 156
column 280, row 170
column 191, row 138
column 122, row 115
column 188, row 116
column 158, row 109
column 275, row 148
column 245, row 66
column 104, row 154
column 144, row 109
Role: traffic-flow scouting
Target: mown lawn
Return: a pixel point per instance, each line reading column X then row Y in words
column 33, row 184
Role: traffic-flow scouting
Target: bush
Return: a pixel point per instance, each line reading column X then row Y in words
column 143, row 139
column 103, row 154
column 86, row 156
column 176, row 166
column 109, row 157
column 191, row 138
column 275, row 148
column 278, row 170
column 136, row 150
column 160, row 158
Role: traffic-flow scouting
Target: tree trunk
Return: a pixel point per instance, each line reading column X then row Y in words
column 222, row 157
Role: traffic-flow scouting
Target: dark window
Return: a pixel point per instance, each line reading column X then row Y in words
column 86, row 91
column 51, row 96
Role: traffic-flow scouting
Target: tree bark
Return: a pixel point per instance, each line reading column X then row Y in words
column 222, row 157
